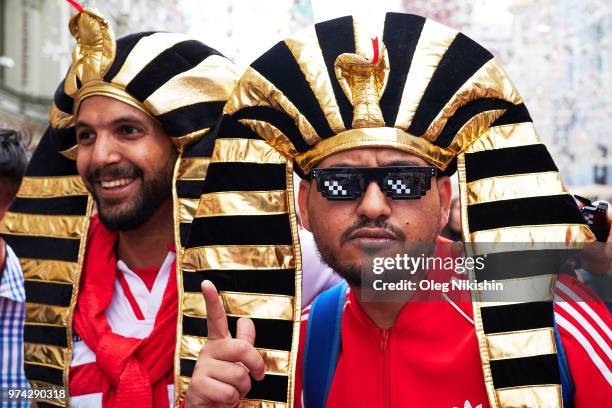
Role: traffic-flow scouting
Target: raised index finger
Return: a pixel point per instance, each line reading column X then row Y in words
column 215, row 314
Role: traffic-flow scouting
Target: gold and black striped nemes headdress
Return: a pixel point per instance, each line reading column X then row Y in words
column 178, row 81
column 422, row 88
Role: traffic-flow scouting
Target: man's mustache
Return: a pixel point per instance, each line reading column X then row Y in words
column 369, row 223
column 114, row 172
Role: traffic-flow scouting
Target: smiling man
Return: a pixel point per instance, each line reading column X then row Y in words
column 376, row 116
column 127, row 162
column 106, row 202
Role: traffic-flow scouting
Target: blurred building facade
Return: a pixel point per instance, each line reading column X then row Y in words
column 35, row 49
column 32, row 58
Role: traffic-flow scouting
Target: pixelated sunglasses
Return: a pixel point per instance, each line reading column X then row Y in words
column 397, row 182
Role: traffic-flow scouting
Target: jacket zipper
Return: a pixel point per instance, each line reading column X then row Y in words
column 384, row 348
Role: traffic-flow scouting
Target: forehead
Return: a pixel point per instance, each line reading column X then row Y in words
column 99, row 108
column 372, row 157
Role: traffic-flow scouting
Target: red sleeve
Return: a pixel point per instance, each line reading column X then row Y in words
column 584, row 323
column 297, row 395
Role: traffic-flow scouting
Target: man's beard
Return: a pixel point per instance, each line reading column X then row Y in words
column 155, row 191
column 352, row 272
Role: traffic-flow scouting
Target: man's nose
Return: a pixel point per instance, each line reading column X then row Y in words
column 105, row 150
column 374, row 203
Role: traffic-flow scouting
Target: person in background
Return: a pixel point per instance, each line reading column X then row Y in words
column 14, row 156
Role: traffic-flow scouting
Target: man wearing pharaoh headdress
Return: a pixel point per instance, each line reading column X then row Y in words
column 376, row 132
column 105, row 204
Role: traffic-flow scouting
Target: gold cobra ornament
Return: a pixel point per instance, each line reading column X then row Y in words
column 363, row 81
column 94, row 51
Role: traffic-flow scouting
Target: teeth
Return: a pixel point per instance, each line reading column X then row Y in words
column 116, row 183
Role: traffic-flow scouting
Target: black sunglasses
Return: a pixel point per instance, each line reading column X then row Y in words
column 397, row 182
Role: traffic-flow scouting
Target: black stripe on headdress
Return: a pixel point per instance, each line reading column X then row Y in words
column 556, row 209
column 401, row 36
column 271, row 334
column 184, row 231
column 35, row 372
column 462, row 59
column 55, row 249
column 514, row 264
column 46, row 162
column 525, row 371
column 204, row 146
column 337, row 37
column 508, row 161
column 229, row 127
column 189, row 188
column 48, row 293
column 187, row 367
column 515, row 114
column 230, row 230
column 69, row 205
column 269, row 177
column 188, row 119
column 125, row 45
column 272, row 387
column 517, row 317
column 278, row 119
column 172, row 61
column 63, row 102
column 464, row 114
column 43, row 334
column 64, row 138
column 271, row 281
column 280, row 68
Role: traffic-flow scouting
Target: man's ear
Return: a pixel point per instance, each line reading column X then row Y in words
column 303, row 202
column 445, row 191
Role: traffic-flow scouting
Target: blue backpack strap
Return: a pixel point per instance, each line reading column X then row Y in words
column 322, row 345
column 567, row 385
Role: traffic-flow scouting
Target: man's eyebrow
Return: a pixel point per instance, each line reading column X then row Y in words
column 114, row 122
column 403, row 163
column 80, row 123
column 126, row 119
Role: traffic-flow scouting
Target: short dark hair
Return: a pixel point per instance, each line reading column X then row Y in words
column 14, row 154
column 14, row 158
